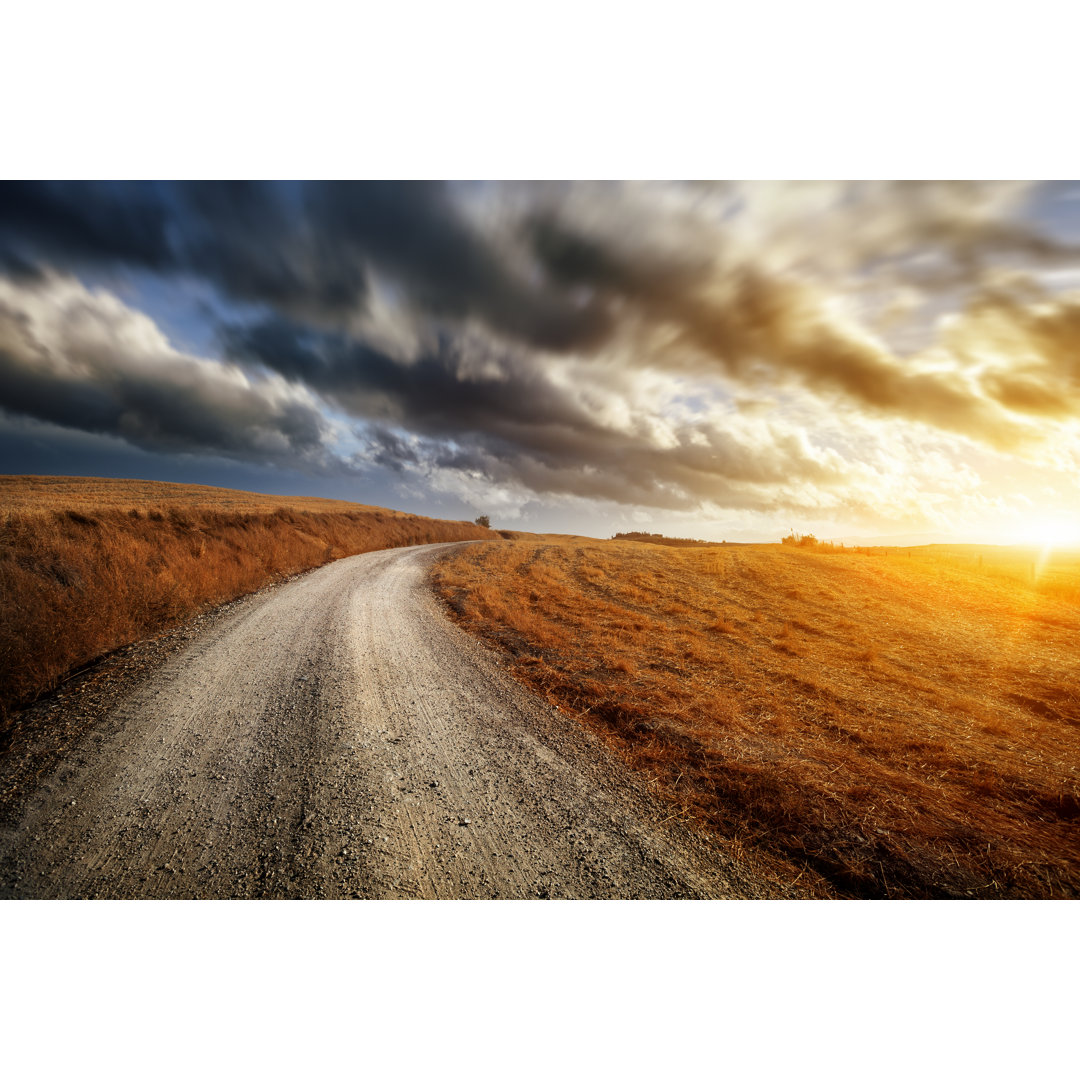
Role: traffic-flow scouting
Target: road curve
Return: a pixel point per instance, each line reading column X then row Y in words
column 338, row 737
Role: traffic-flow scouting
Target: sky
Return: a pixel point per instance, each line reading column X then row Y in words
column 728, row 360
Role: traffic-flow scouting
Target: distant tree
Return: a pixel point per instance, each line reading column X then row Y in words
column 484, row 521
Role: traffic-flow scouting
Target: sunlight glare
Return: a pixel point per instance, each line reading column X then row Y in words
column 1049, row 532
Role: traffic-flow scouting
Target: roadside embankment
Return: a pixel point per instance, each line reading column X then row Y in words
column 89, row 565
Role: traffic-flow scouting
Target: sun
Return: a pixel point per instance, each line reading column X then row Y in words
column 1049, row 531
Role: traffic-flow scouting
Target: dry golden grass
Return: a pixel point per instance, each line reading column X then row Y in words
column 89, row 565
column 899, row 724
column 33, row 494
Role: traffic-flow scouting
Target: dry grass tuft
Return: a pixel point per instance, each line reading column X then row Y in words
column 89, row 565
column 878, row 723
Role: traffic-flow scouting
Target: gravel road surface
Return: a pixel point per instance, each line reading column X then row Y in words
column 338, row 737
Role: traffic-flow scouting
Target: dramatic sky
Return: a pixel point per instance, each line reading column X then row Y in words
column 723, row 360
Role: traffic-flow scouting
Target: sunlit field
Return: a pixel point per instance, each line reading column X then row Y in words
column 89, row 565
column 43, row 494
column 877, row 723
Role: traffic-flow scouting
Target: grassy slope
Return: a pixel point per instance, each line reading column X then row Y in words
column 87, row 565
column 889, row 725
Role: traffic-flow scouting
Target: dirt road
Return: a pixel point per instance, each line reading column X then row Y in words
column 339, row 737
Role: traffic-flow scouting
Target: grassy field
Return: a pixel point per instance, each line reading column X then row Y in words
column 44, row 494
column 883, row 723
column 88, row 565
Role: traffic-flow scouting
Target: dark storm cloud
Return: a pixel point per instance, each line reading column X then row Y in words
column 762, row 315
column 15, row 266
column 505, row 420
column 84, row 361
column 252, row 241
column 625, row 471
column 437, row 389
column 415, row 234
column 516, row 336
column 306, row 250
column 391, row 450
column 574, row 257
column 556, row 279
column 752, row 324
column 246, row 238
column 66, row 221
